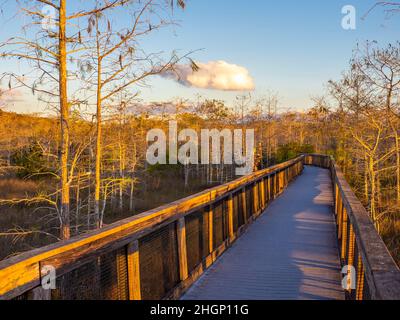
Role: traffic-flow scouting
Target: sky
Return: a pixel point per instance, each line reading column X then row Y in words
column 289, row 47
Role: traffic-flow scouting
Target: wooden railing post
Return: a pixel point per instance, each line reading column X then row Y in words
column 339, row 218
column 244, row 204
column 263, row 198
column 211, row 229
column 255, row 199
column 352, row 244
column 286, row 173
column 344, row 233
column 360, row 279
column 182, row 251
column 230, row 219
column 134, row 271
column 336, row 198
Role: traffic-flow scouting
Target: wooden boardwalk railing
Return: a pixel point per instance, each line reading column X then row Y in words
column 160, row 253
column 155, row 255
column 362, row 251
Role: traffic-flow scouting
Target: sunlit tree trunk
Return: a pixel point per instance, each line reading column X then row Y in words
column 366, row 186
column 97, row 192
column 397, row 152
column 77, row 203
column 372, row 174
column 64, row 111
column 131, row 201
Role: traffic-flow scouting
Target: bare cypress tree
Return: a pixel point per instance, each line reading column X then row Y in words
column 117, row 63
column 48, row 51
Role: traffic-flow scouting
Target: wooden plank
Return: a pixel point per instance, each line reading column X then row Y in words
column 182, row 251
column 134, row 271
column 18, row 278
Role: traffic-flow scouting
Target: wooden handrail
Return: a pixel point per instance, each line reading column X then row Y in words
column 378, row 276
column 21, row 273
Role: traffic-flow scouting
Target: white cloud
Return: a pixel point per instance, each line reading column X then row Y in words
column 218, row 75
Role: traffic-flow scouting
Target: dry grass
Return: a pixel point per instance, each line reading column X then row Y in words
column 391, row 236
column 13, row 188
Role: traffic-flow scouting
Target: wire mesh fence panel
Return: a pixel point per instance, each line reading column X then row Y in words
column 25, row 296
column 236, row 211
column 272, row 186
column 220, row 223
column 267, row 182
column 159, row 264
column 197, row 238
column 260, row 194
column 241, row 211
column 249, row 200
column 266, row 195
column 103, row 278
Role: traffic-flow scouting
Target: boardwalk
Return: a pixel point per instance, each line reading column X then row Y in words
column 288, row 253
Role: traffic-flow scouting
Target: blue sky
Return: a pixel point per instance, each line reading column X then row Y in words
column 290, row 47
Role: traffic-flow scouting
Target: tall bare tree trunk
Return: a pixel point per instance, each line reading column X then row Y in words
column 366, row 186
column 78, row 204
column 131, row 202
column 372, row 173
column 64, row 111
column 398, row 168
column 98, row 135
column 98, row 167
column 397, row 146
column 121, row 172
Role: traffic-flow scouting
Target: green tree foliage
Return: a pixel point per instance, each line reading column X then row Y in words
column 292, row 150
column 214, row 110
column 30, row 161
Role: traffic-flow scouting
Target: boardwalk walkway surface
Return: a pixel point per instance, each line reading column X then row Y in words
column 289, row 253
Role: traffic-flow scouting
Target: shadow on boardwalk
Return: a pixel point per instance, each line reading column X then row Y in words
column 289, row 253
